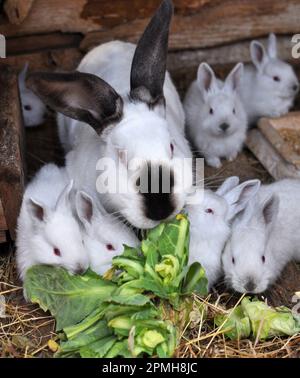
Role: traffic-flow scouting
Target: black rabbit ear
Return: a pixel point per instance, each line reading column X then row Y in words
column 149, row 63
column 78, row 95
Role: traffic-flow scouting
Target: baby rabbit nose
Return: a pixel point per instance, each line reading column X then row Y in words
column 224, row 126
column 80, row 269
column 296, row 87
column 250, row 286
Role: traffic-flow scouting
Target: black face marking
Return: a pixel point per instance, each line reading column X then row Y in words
column 157, row 183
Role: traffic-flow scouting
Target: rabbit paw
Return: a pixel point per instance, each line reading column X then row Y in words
column 232, row 157
column 214, row 162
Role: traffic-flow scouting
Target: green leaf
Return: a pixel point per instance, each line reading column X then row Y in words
column 267, row 322
column 99, row 348
column 69, row 298
column 195, row 280
column 94, row 333
column 236, row 326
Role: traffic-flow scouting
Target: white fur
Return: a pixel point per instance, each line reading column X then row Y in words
column 37, row 237
column 261, row 94
column 144, row 133
column 104, row 235
column 34, row 115
column 210, row 103
column 269, row 227
column 210, row 221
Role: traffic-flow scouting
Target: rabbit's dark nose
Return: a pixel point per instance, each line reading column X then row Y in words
column 157, row 191
column 80, row 269
column 224, row 126
column 250, row 286
column 295, row 87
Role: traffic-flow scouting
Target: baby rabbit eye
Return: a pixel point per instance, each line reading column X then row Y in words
column 233, row 110
column 233, row 260
column 211, row 111
column 276, row 78
column 209, row 211
column 110, row 247
column 56, row 251
column 172, row 148
column 27, row 107
column 263, row 259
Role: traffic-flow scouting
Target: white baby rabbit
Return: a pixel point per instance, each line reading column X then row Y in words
column 47, row 231
column 210, row 216
column 33, row 108
column 216, row 119
column 264, row 238
column 269, row 85
column 104, row 235
column 134, row 115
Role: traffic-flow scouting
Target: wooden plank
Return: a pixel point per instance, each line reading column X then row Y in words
column 3, row 225
column 270, row 128
column 17, row 10
column 56, row 59
column 11, row 148
column 215, row 23
column 2, row 237
column 269, row 157
column 40, row 42
column 196, row 24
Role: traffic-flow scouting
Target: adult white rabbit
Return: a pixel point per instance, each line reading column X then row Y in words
column 104, row 236
column 264, row 238
column 216, row 119
column 33, row 108
column 47, row 231
column 210, row 216
column 134, row 115
column 269, row 85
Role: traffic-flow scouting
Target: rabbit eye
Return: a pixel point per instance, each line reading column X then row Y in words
column 263, row 258
column 172, row 147
column 27, row 107
column 209, row 211
column 233, row 260
column 56, row 251
column 233, row 111
column 276, row 78
column 110, row 247
column 211, row 111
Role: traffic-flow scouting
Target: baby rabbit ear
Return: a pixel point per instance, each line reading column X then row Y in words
column 270, row 209
column 149, row 63
column 228, row 184
column 37, row 211
column 238, row 197
column 234, row 78
column 23, row 74
column 84, row 207
column 272, row 46
column 78, row 95
column 258, row 54
column 63, row 200
column 206, row 79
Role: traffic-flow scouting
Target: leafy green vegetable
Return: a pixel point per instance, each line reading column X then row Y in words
column 138, row 307
column 258, row 319
column 69, row 298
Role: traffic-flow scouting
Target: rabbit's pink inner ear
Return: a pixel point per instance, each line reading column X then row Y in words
column 270, row 209
column 258, row 54
column 84, row 207
column 206, row 78
column 36, row 210
column 81, row 96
